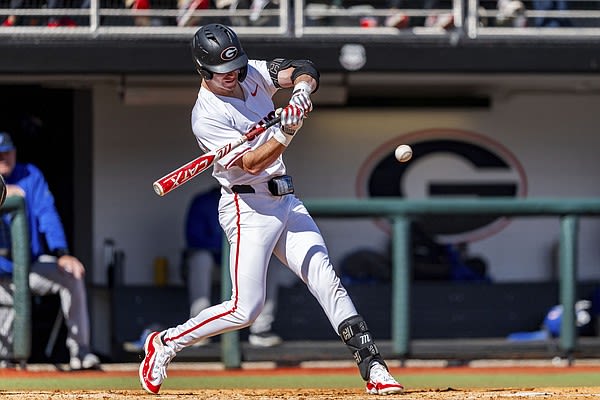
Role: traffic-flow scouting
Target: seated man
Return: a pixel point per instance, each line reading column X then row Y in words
column 53, row 270
column 204, row 238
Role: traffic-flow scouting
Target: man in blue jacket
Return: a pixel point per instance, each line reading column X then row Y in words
column 53, row 269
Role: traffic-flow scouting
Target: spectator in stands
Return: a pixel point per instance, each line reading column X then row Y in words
column 401, row 20
column 551, row 5
column 511, row 13
column 53, row 21
column 256, row 7
column 140, row 20
column 444, row 20
column 53, row 270
column 187, row 8
column 204, row 238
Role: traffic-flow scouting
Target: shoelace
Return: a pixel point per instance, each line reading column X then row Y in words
column 163, row 358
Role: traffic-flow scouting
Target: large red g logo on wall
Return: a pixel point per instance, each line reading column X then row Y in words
column 446, row 163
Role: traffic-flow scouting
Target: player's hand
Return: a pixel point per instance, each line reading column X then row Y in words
column 291, row 119
column 301, row 97
column 72, row 265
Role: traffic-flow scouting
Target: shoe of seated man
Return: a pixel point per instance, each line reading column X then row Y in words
column 84, row 362
column 264, row 339
column 153, row 369
column 381, row 381
column 202, row 342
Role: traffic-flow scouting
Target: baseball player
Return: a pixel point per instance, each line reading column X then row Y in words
column 258, row 209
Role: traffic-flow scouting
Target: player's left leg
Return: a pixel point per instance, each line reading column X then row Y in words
column 303, row 249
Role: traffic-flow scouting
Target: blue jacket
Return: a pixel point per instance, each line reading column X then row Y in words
column 45, row 227
column 202, row 228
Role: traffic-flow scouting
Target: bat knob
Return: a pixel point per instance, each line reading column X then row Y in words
column 158, row 189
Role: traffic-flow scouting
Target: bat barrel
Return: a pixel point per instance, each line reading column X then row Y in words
column 186, row 172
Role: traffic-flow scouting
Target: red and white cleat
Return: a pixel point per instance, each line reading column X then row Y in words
column 381, row 382
column 153, row 369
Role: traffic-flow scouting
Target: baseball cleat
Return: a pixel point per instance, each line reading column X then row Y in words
column 381, row 382
column 153, row 369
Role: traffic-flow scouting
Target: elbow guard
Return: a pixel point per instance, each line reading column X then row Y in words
column 301, row 67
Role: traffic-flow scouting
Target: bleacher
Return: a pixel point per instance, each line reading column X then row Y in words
column 472, row 19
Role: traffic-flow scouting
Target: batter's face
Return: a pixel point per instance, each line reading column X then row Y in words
column 224, row 84
column 8, row 159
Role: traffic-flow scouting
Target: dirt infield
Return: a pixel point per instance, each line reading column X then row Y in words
column 317, row 394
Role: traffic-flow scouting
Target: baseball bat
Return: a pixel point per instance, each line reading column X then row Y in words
column 181, row 175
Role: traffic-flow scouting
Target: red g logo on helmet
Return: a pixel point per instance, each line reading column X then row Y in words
column 229, row 53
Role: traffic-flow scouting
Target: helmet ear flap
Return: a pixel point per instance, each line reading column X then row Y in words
column 206, row 74
column 243, row 73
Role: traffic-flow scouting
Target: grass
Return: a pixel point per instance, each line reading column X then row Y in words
column 428, row 380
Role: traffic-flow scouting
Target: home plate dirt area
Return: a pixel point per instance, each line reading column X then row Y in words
column 318, row 394
column 455, row 393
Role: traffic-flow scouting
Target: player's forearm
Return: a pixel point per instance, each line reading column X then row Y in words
column 309, row 80
column 302, row 71
column 256, row 161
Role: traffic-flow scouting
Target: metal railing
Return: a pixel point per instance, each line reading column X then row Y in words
column 401, row 212
column 566, row 19
column 19, row 232
column 471, row 19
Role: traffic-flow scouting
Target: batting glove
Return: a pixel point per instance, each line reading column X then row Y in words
column 301, row 97
column 292, row 117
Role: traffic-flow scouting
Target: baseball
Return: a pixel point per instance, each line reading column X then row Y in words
column 403, row 153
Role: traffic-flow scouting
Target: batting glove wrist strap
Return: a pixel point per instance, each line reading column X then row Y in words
column 282, row 137
column 302, row 86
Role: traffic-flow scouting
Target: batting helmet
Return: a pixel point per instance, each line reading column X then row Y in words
column 216, row 48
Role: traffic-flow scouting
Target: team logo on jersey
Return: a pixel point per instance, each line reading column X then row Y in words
column 445, row 163
column 229, row 53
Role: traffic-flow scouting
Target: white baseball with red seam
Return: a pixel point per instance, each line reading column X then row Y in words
column 403, row 153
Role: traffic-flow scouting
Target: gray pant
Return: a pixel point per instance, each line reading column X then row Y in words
column 47, row 278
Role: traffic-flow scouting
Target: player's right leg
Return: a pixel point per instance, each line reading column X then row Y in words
column 153, row 369
column 356, row 335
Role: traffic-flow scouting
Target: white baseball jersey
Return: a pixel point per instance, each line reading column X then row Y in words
column 216, row 122
column 257, row 224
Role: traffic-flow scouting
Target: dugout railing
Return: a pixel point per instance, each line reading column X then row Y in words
column 400, row 213
column 451, row 19
column 16, row 321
